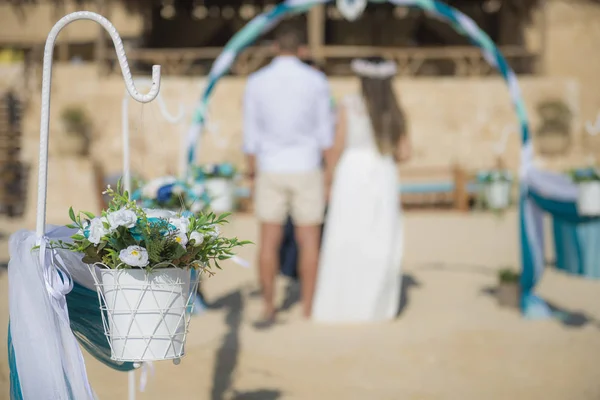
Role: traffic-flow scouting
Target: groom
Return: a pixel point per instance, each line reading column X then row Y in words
column 288, row 126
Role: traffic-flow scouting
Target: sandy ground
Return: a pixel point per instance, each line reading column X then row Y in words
column 451, row 341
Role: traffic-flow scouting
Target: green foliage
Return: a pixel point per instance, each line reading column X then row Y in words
column 165, row 244
column 508, row 275
column 582, row 175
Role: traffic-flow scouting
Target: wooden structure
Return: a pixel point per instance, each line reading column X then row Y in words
column 185, row 36
column 13, row 174
column 439, row 188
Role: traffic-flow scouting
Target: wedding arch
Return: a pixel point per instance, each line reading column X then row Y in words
column 530, row 223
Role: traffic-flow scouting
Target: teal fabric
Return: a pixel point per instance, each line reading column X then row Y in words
column 86, row 323
column 15, row 387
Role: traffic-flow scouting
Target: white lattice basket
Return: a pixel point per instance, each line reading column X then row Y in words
column 588, row 200
column 222, row 194
column 497, row 194
column 146, row 315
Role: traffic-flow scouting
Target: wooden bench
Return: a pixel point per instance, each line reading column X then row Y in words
column 437, row 187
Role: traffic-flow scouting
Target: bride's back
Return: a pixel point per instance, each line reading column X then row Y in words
column 359, row 131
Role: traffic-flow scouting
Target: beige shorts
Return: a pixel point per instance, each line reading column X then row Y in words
column 301, row 195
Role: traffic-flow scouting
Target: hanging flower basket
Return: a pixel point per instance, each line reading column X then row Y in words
column 222, row 194
column 146, row 314
column 142, row 262
column 220, row 185
column 496, row 189
column 588, row 199
column 169, row 193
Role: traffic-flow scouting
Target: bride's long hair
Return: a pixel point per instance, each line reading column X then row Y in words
column 387, row 119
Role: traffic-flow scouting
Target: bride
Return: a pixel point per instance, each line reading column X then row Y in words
column 359, row 272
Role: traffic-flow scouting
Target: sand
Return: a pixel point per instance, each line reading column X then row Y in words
column 451, row 341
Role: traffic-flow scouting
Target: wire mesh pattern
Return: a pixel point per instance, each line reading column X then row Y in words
column 146, row 315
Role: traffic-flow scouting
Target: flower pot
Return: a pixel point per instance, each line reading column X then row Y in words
column 145, row 316
column 508, row 294
column 588, row 201
column 497, row 194
column 222, row 193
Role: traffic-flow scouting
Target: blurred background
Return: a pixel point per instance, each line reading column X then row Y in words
column 453, row 339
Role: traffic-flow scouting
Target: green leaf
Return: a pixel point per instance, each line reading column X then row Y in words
column 89, row 214
column 89, row 260
column 72, row 214
column 164, row 264
column 72, row 226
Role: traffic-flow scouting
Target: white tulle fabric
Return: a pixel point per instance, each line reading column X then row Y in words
column 359, row 272
column 553, row 186
column 48, row 359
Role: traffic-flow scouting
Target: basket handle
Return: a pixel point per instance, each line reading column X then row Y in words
column 46, row 80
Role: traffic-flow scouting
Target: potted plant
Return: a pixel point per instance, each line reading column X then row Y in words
column 508, row 288
column 588, row 182
column 172, row 194
column 219, row 180
column 77, row 126
column 142, row 261
column 496, row 188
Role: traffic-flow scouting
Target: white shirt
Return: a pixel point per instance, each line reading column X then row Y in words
column 288, row 120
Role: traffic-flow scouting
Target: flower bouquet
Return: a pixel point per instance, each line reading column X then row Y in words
column 219, row 180
column 172, row 194
column 496, row 188
column 142, row 262
column 588, row 181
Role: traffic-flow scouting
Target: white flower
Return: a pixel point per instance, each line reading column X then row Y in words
column 213, row 233
column 165, row 214
column 197, row 206
column 182, row 239
column 96, row 230
column 208, row 168
column 197, row 237
column 177, row 190
column 134, row 256
column 198, row 189
column 126, row 218
column 182, row 224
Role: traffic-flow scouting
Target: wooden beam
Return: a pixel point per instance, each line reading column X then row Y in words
column 316, row 33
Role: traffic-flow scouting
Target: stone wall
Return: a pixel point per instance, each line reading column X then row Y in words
column 450, row 120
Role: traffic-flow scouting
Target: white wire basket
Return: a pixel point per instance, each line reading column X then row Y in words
column 222, row 194
column 497, row 194
column 146, row 315
column 588, row 199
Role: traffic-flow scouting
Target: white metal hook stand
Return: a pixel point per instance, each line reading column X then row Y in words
column 47, row 80
column 45, row 112
column 125, row 127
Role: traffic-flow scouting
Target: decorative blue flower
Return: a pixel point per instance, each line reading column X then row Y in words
column 167, row 227
column 226, row 170
column 164, row 193
column 136, row 195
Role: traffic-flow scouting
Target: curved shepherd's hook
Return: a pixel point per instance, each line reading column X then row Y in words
column 125, row 127
column 46, row 80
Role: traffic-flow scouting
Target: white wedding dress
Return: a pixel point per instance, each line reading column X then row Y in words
column 359, row 273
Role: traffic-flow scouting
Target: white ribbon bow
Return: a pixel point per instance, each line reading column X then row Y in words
column 58, row 284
